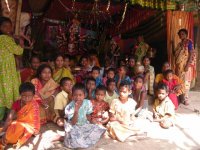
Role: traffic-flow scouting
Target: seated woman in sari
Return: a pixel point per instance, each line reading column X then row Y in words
column 46, row 89
column 60, row 71
column 23, row 120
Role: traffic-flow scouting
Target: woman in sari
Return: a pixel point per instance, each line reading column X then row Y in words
column 60, row 71
column 23, row 120
column 46, row 89
column 141, row 49
column 184, row 53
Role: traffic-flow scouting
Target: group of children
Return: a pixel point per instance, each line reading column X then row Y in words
column 89, row 108
column 85, row 101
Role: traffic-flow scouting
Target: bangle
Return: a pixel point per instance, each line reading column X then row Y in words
column 53, row 96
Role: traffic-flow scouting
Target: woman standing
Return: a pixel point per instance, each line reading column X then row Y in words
column 9, row 78
column 184, row 53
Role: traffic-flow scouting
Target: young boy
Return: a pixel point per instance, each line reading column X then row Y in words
column 100, row 107
column 62, row 99
column 110, row 93
column 90, row 88
column 121, row 76
column 96, row 75
column 163, row 108
column 149, row 75
column 23, row 120
column 110, row 74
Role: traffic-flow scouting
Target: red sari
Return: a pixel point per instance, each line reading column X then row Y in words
column 172, row 95
column 43, row 92
column 26, row 124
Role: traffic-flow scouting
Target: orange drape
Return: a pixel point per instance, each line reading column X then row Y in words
column 175, row 21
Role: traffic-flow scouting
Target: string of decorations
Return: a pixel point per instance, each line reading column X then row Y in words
column 123, row 15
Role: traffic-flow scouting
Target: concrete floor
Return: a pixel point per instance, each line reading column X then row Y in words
column 184, row 136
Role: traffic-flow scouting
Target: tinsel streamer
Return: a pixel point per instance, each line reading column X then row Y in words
column 73, row 4
column 64, row 5
column 108, row 6
column 123, row 15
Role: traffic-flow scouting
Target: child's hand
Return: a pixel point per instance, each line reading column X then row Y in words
column 17, row 146
column 176, row 88
column 105, row 114
column 77, row 105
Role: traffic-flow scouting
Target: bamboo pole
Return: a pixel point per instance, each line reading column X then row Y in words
column 17, row 25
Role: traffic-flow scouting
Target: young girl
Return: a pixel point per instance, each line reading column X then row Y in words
column 131, row 66
column 79, row 132
column 122, row 112
column 23, row 120
column 163, row 108
column 173, row 86
column 9, row 77
column 140, row 96
column 100, row 107
column 110, row 74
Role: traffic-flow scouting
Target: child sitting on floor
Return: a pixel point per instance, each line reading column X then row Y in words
column 23, row 120
column 62, row 99
column 174, row 88
column 140, row 96
column 122, row 123
column 121, row 76
column 163, row 108
column 100, row 107
column 110, row 93
column 149, row 75
column 96, row 75
column 79, row 132
column 110, row 74
column 90, row 88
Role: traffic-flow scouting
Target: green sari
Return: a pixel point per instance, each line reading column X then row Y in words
column 61, row 73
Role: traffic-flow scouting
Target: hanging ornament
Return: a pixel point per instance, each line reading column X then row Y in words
column 123, row 15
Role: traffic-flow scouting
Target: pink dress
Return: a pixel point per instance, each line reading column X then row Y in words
column 172, row 94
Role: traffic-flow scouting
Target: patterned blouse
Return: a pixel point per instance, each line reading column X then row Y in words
column 84, row 110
